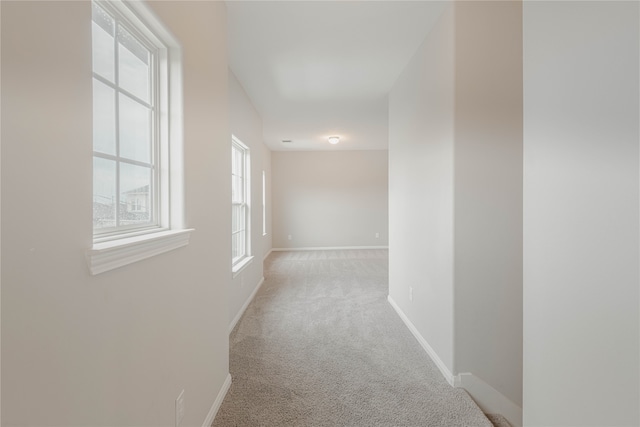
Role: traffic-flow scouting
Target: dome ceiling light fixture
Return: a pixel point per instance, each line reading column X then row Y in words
column 334, row 140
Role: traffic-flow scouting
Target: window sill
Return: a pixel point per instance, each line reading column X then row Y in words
column 241, row 265
column 117, row 253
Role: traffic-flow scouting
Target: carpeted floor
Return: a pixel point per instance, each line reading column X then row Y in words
column 320, row 346
column 498, row 420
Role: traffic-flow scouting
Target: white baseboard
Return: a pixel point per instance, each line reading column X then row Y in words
column 245, row 305
column 268, row 253
column 490, row 400
column 329, row 248
column 216, row 404
column 425, row 345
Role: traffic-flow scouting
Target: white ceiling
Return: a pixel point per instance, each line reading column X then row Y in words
column 319, row 68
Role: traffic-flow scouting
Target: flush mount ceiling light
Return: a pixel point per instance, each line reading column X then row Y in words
column 334, row 140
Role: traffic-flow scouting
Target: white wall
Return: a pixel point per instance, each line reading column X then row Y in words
column 246, row 125
column 488, row 195
column 455, row 149
column 421, row 189
column 581, row 183
column 116, row 348
column 329, row 198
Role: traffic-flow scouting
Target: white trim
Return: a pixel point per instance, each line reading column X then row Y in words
column 241, row 265
column 264, row 258
column 425, row 345
column 329, row 248
column 490, row 400
column 117, row 253
column 218, row 402
column 244, row 306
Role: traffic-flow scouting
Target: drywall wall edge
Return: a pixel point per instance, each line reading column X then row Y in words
column 423, row 342
column 490, row 400
column 218, row 402
column 245, row 305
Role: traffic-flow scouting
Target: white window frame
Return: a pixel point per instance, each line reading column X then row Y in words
column 157, row 162
column 238, row 263
column 116, row 247
column 264, row 204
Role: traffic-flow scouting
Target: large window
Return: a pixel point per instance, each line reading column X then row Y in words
column 137, row 147
column 240, row 190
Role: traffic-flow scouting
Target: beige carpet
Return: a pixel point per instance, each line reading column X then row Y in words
column 498, row 420
column 320, row 346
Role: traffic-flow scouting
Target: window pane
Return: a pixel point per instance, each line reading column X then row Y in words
column 240, row 237
column 135, row 194
column 234, row 161
column 237, row 218
column 234, row 247
column 135, row 130
column 234, row 218
column 237, row 189
column 237, row 245
column 133, row 62
column 237, row 160
column 102, row 44
column 104, row 118
column 238, row 225
column 104, row 193
column 239, row 163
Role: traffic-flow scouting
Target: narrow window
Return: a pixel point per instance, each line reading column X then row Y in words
column 125, row 126
column 138, row 208
column 240, row 190
column 264, row 204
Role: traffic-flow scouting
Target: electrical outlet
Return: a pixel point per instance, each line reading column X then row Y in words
column 410, row 293
column 289, row 237
column 180, row 408
column 377, row 235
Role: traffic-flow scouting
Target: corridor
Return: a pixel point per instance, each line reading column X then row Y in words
column 321, row 346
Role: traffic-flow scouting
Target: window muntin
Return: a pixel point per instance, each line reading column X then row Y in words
column 240, row 248
column 125, row 130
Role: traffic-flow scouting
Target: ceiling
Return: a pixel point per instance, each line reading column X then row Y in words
column 319, row 68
